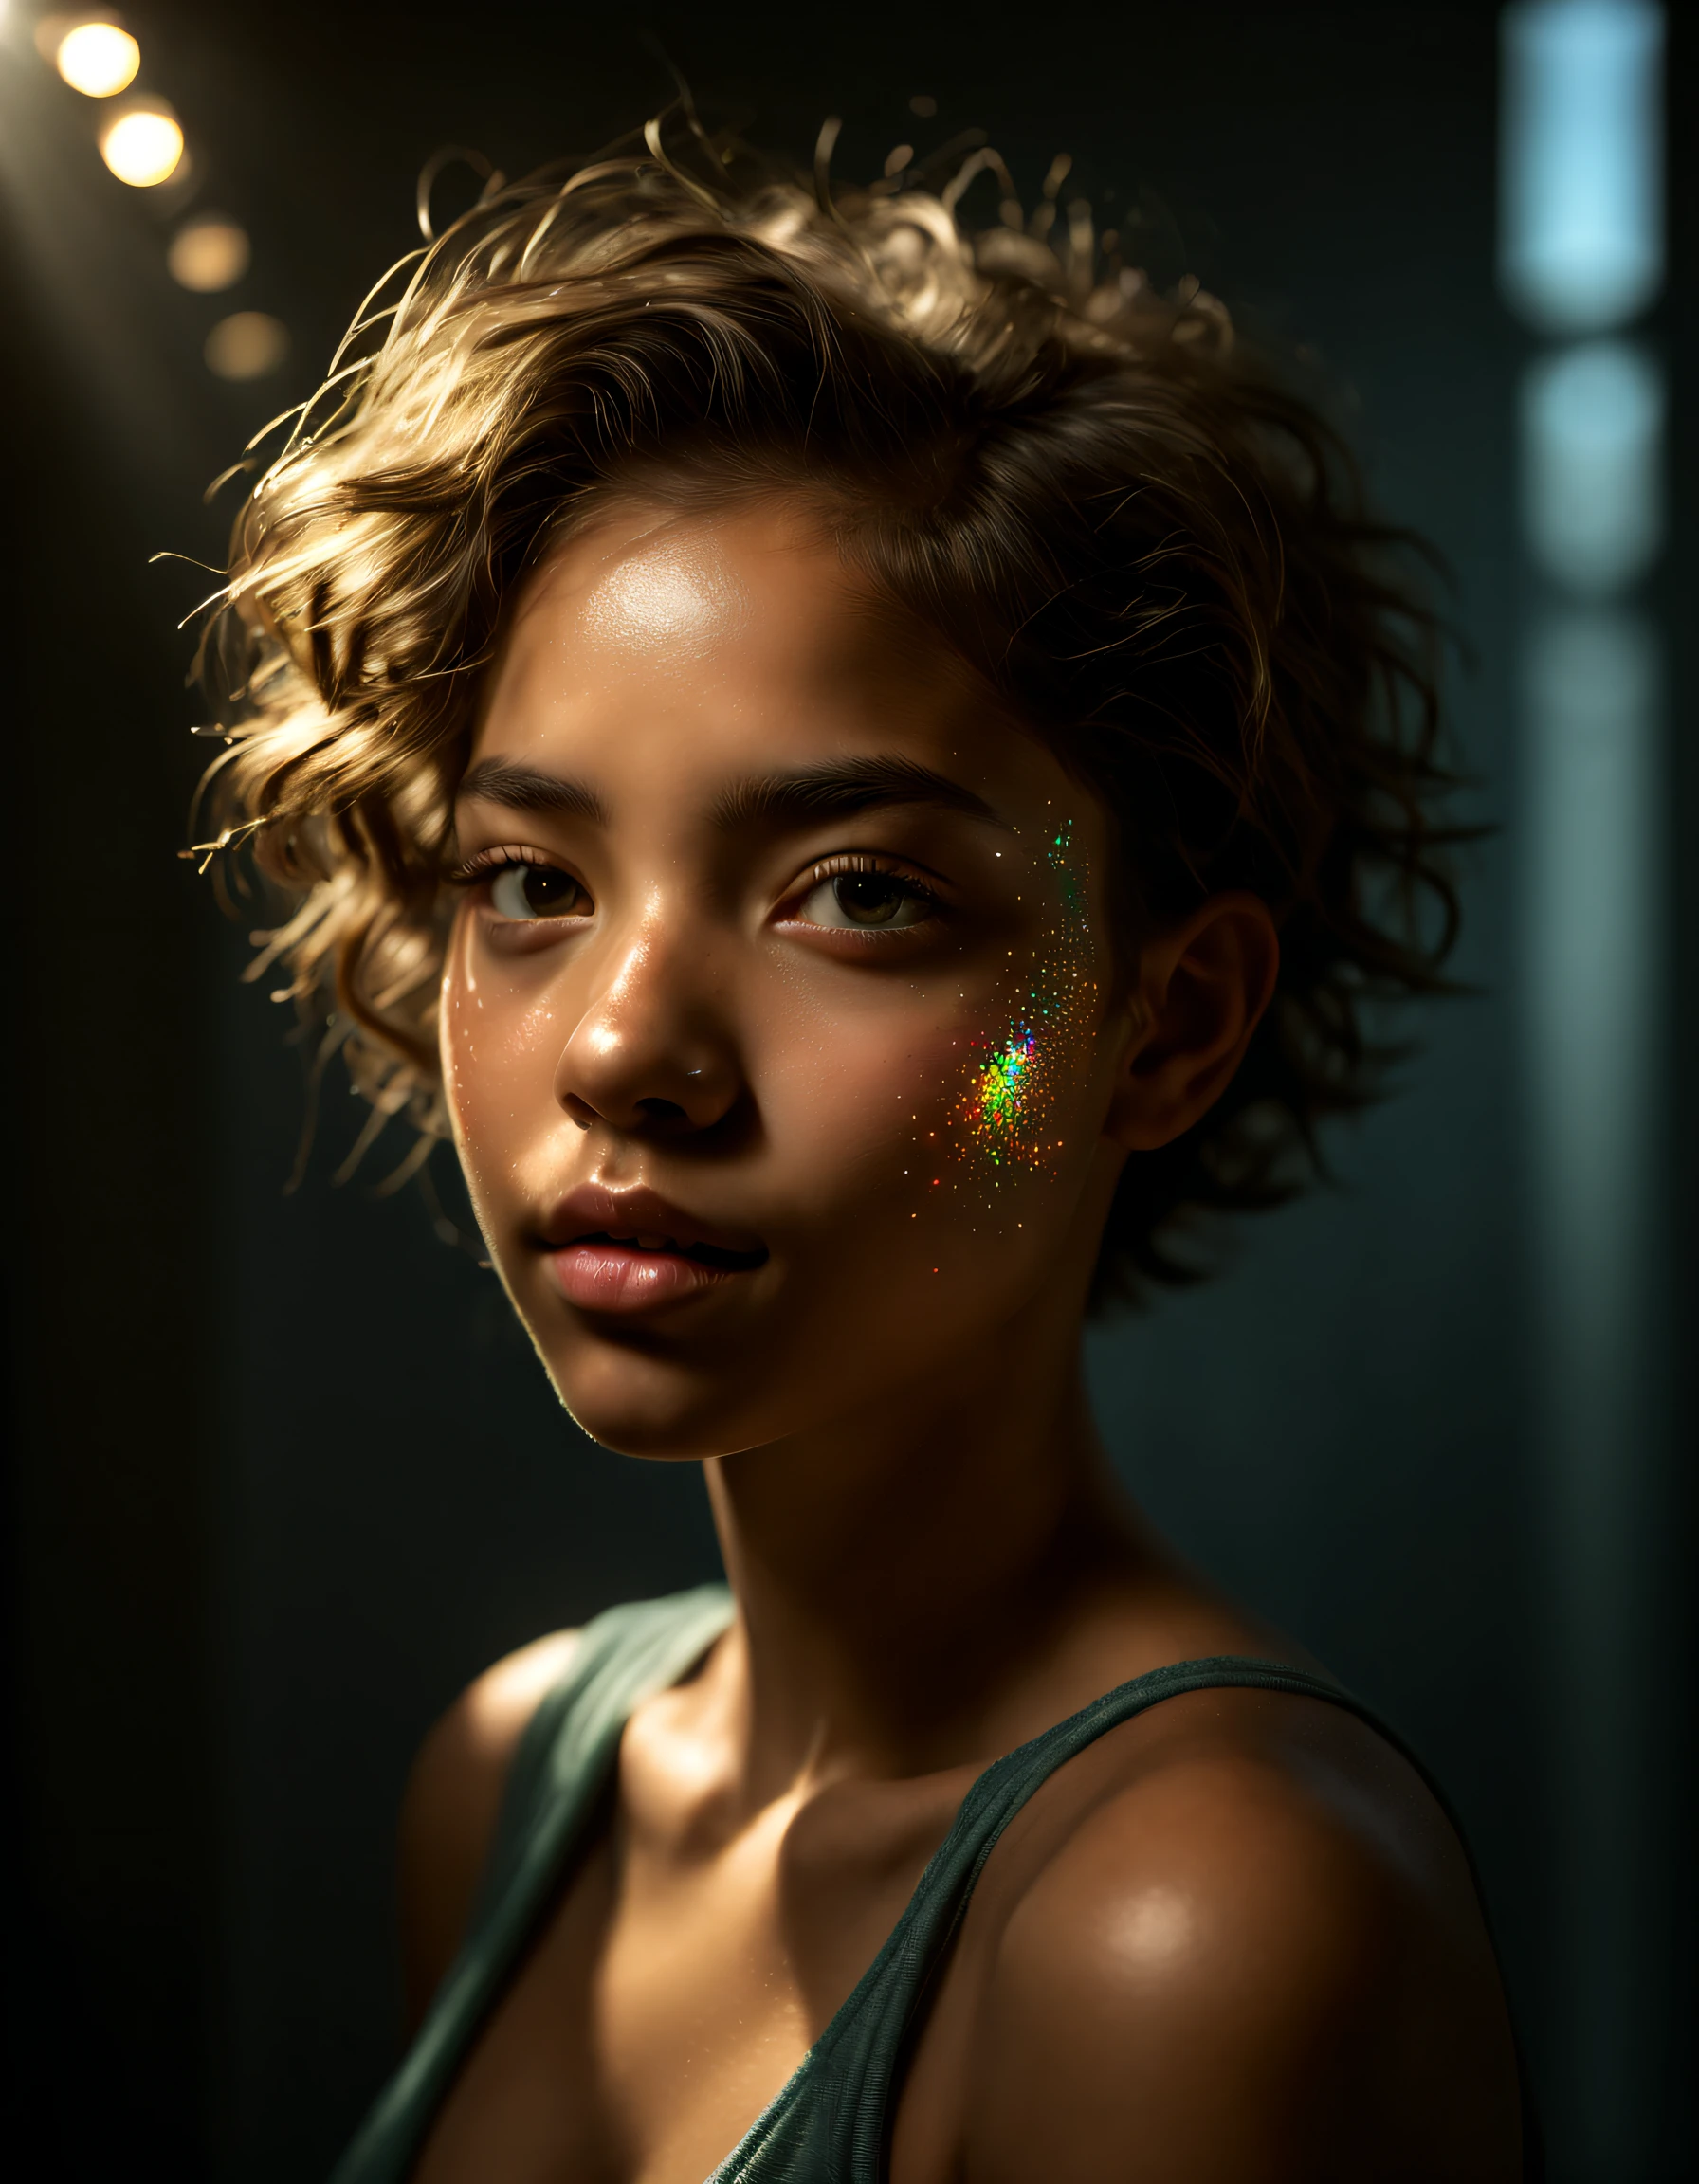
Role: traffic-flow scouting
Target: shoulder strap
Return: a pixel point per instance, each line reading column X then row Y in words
column 621, row 1657
column 832, row 2121
column 559, row 1770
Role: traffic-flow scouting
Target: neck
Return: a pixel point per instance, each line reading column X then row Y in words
column 896, row 1570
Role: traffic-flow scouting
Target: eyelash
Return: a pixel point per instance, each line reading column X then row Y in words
column 859, row 861
column 490, row 864
column 862, row 861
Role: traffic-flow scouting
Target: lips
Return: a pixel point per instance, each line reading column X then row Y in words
column 628, row 1251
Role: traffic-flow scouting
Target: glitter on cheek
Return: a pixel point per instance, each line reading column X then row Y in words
column 1009, row 1113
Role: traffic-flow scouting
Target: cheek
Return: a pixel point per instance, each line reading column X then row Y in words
column 853, row 1102
column 985, row 1116
column 499, row 1049
column 1030, row 1116
column 1020, row 1115
column 968, row 1120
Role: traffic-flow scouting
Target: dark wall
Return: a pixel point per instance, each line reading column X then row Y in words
column 113, row 1760
column 287, row 1473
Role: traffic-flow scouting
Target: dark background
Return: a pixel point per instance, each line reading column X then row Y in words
column 283, row 1474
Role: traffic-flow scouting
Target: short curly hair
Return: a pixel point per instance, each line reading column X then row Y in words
column 1138, row 533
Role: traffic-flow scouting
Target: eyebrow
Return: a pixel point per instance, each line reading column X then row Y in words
column 841, row 788
column 528, row 788
column 806, row 795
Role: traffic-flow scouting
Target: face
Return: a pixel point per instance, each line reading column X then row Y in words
column 777, row 1021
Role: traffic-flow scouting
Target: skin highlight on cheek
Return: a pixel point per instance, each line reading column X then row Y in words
column 1008, row 1116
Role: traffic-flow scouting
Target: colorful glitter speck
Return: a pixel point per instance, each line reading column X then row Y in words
column 1009, row 1112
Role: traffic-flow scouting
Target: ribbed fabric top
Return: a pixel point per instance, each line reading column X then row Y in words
column 830, row 2124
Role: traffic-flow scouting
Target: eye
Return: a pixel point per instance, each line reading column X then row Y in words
column 528, row 892
column 856, row 901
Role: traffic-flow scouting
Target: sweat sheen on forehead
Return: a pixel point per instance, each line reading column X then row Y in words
column 761, row 592
column 671, row 594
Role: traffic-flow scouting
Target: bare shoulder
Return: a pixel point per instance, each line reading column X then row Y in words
column 454, row 1794
column 1242, row 1942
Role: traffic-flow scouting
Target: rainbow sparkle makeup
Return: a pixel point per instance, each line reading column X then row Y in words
column 1009, row 1111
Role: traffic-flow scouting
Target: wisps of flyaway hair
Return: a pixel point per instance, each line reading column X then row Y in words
column 1149, row 545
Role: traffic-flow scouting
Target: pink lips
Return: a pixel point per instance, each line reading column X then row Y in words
column 632, row 1252
column 609, row 1276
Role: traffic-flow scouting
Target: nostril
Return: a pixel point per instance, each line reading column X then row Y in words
column 663, row 1110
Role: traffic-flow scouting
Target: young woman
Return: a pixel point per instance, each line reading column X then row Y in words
column 866, row 774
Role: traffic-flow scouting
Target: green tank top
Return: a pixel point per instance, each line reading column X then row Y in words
column 830, row 2124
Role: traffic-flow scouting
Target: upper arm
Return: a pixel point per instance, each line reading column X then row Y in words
column 448, row 1811
column 1208, row 1984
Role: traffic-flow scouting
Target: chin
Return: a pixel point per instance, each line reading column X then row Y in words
column 656, row 1408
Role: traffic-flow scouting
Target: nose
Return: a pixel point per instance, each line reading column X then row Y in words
column 652, row 1053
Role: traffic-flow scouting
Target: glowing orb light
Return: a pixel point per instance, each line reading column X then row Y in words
column 97, row 59
column 142, row 146
column 247, row 345
column 208, row 253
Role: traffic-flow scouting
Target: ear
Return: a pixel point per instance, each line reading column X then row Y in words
column 1201, row 991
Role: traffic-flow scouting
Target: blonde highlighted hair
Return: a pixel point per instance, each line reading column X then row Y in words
column 1146, row 543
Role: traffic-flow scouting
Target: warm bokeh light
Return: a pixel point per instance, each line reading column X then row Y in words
column 208, row 253
column 97, row 59
column 143, row 146
column 247, row 345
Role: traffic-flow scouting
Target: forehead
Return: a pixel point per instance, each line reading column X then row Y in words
column 677, row 649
